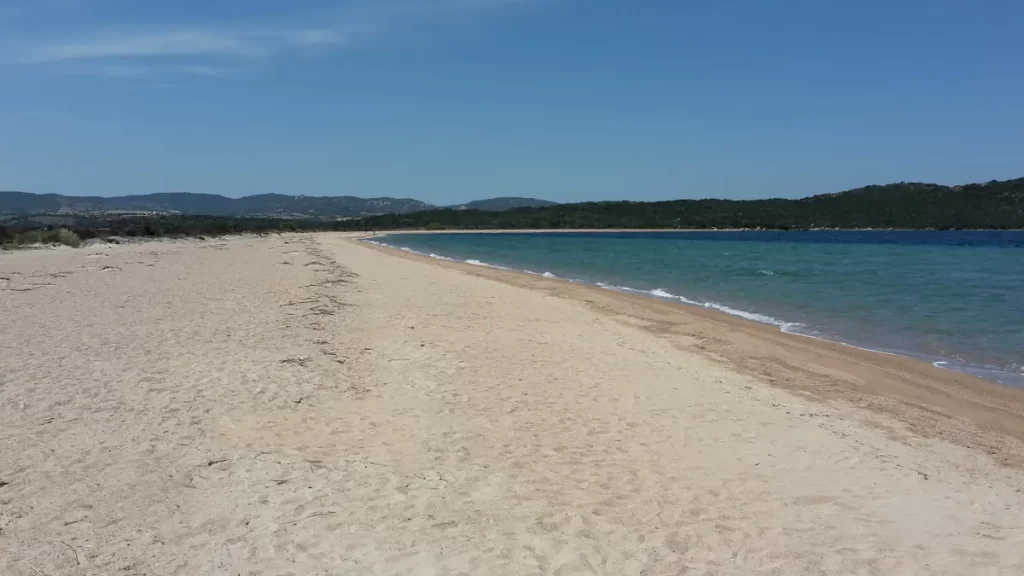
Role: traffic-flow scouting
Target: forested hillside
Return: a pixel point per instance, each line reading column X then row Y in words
column 995, row 205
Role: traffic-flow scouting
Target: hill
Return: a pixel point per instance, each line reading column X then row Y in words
column 997, row 205
column 993, row 205
column 504, row 203
column 274, row 205
column 277, row 205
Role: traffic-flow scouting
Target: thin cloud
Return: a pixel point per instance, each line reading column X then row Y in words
column 148, row 70
column 122, row 71
column 186, row 42
column 139, row 50
column 203, row 70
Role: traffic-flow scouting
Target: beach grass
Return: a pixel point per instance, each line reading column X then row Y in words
column 57, row 236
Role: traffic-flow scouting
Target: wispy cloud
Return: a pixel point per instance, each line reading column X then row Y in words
column 146, row 70
column 122, row 71
column 128, row 49
column 203, row 70
column 187, row 42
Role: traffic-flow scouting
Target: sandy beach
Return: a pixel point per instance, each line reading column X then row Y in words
column 309, row 404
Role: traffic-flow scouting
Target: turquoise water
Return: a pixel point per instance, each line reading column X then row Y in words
column 951, row 298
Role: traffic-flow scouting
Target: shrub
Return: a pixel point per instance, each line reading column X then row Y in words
column 434, row 226
column 67, row 238
column 30, row 237
column 58, row 236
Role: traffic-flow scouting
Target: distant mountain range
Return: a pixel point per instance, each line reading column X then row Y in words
column 277, row 205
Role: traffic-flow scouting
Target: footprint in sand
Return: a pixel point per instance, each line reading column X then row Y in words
column 61, row 274
column 26, row 287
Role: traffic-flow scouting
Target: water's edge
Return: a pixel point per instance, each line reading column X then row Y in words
column 795, row 328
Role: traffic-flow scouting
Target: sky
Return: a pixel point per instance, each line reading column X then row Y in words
column 452, row 100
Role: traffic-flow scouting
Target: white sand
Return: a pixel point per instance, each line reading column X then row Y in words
column 305, row 405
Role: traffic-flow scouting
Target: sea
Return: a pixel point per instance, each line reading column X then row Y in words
column 955, row 299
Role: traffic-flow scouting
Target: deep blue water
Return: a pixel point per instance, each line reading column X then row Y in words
column 952, row 298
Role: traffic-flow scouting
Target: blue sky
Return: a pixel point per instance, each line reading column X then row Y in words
column 451, row 100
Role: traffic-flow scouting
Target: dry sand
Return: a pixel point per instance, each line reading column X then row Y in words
column 308, row 405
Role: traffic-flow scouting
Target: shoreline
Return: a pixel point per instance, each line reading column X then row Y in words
column 999, row 376
column 931, row 401
column 622, row 230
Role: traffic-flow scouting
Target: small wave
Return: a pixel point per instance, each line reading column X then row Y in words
column 660, row 293
column 1007, row 377
column 548, row 275
column 665, row 294
column 798, row 329
column 484, row 264
column 767, row 272
column 447, row 259
column 994, row 374
column 749, row 315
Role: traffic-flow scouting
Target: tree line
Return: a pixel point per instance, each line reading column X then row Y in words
column 26, row 230
column 993, row 205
